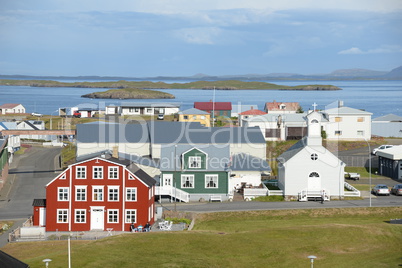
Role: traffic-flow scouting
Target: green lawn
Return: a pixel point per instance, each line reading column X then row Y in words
column 352, row 237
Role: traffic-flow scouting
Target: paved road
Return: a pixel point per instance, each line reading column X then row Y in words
column 31, row 172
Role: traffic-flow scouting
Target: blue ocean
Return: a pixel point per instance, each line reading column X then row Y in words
column 377, row 97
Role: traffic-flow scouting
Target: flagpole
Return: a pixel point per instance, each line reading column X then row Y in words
column 213, row 109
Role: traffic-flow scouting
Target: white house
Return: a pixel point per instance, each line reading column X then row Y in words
column 12, row 108
column 239, row 108
column 143, row 108
column 389, row 125
column 345, row 123
column 309, row 170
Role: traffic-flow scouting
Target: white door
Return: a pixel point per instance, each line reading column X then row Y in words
column 42, row 216
column 97, row 218
column 314, row 182
column 167, row 179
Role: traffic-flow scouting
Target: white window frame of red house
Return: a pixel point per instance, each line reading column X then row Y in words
column 81, row 172
column 80, row 214
column 113, row 173
column 131, row 177
column 115, row 194
column 115, row 215
column 81, row 194
column 131, row 212
column 93, row 193
column 64, row 214
column 64, row 191
column 130, row 191
column 97, row 172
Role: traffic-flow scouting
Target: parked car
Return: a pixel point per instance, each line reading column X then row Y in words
column 77, row 114
column 382, row 147
column 396, row 189
column 352, row 176
column 37, row 114
column 380, row 189
column 161, row 117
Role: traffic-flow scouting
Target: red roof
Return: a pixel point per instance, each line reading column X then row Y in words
column 286, row 106
column 209, row 106
column 253, row 112
column 8, row 105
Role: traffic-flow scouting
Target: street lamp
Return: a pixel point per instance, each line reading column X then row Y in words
column 47, row 262
column 369, row 154
column 312, row 257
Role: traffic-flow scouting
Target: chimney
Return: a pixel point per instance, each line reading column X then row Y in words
column 340, row 104
column 252, row 108
column 115, row 152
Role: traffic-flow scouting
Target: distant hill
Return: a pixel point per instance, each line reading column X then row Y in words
column 395, row 73
column 356, row 73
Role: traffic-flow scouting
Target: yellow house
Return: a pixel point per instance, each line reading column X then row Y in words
column 195, row 115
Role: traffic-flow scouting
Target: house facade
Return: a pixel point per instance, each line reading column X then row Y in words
column 239, row 108
column 249, row 114
column 308, row 170
column 12, row 108
column 195, row 115
column 215, row 108
column 97, row 194
column 389, row 125
column 390, row 162
column 143, row 108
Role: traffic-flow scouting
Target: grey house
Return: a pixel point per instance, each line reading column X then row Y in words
column 389, row 125
column 390, row 162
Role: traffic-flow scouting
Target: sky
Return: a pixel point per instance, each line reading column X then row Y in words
column 146, row 38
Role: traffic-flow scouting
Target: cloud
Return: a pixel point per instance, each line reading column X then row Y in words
column 201, row 35
column 381, row 50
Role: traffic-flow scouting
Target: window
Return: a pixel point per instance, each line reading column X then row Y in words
column 149, row 110
column 338, row 132
column 63, row 177
column 131, row 177
column 203, row 117
column 131, row 215
column 112, row 215
column 80, row 216
column 314, row 156
column 81, row 172
column 98, row 172
column 62, row 194
column 131, row 110
column 113, row 172
column 62, row 216
column 338, row 119
column 282, row 106
column 187, row 181
column 185, row 117
column 360, row 119
column 194, row 117
column 97, row 193
column 113, row 193
column 80, row 193
column 194, row 162
column 314, row 174
column 137, row 110
column 360, row 133
column 131, row 194
column 211, row 181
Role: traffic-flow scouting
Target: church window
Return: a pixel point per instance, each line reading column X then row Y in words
column 314, row 174
column 314, row 121
column 314, row 156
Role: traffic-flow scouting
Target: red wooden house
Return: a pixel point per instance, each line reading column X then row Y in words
column 97, row 194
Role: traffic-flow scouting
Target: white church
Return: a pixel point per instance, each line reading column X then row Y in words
column 308, row 170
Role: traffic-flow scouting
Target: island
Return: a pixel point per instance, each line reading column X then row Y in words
column 129, row 93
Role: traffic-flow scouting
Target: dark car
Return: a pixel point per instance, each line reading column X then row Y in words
column 396, row 189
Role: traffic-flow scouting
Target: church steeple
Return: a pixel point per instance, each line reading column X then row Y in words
column 314, row 129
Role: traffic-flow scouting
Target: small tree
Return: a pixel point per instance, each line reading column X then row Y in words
column 300, row 110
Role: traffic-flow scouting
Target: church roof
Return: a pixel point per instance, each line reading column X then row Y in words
column 292, row 151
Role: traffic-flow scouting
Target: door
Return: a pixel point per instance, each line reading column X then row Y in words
column 314, row 182
column 42, row 216
column 167, row 179
column 97, row 218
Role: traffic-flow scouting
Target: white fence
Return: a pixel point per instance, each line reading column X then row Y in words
column 173, row 192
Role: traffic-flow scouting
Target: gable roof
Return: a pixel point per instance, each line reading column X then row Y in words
column 276, row 106
column 253, row 112
column 238, row 108
column 150, row 104
column 346, row 111
column 388, row 118
column 293, row 150
column 39, row 203
column 193, row 111
column 8, row 261
column 209, row 106
column 247, row 162
column 9, row 105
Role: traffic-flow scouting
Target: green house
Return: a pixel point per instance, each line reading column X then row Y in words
column 3, row 159
column 198, row 172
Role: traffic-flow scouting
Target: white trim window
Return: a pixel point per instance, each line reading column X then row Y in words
column 112, row 216
column 80, row 193
column 62, row 216
column 187, row 181
column 80, row 172
column 80, row 216
column 97, row 173
column 131, row 194
column 63, row 177
column 211, row 181
column 131, row 216
column 62, row 194
column 194, row 162
column 131, row 177
column 97, row 193
column 113, row 173
column 113, row 193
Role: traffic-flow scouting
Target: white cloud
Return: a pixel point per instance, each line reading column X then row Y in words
column 200, row 35
column 381, row 50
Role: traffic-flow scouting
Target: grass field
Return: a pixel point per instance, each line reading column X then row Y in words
column 360, row 237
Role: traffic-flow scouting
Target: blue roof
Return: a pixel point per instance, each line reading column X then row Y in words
column 193, row 111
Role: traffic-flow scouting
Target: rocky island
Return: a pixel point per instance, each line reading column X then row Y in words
column 129, row 93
